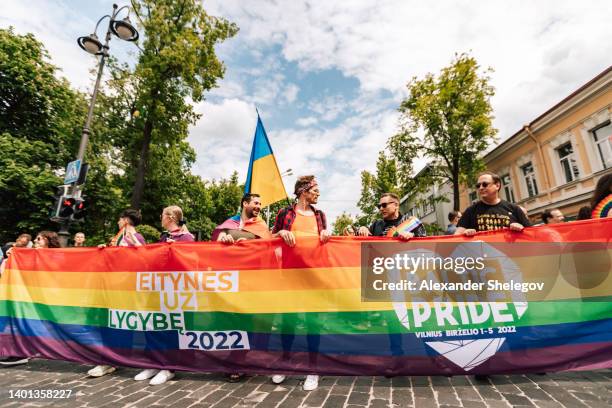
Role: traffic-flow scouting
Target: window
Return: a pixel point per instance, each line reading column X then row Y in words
column 530, row 180
column 603, row 141
column 569, row 167
column 473, row 197
column 508, row 191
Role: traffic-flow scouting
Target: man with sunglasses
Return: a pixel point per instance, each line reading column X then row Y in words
column 388, row 205
column 490, row 212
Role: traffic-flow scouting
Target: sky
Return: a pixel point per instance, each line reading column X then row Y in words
column 328, row 76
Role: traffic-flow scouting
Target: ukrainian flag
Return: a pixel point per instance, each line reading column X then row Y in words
column 263, row 177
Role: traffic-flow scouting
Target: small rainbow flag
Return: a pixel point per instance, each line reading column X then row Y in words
column 407, row 226
column 603, row 208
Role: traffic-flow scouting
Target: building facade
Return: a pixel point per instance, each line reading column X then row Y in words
column 431, row 206
column 556, row 160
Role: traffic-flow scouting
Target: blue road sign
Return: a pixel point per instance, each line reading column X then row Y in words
column 72, row 172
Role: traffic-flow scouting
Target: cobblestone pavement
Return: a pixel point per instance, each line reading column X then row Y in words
column 579, row 389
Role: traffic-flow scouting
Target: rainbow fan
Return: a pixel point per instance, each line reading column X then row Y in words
column 407, row 226
column 602, row 209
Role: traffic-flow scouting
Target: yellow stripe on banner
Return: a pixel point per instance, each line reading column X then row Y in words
column 115, row 299
column 266, row 181
column 243, row 302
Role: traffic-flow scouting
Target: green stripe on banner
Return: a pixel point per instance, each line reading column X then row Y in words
column 374, row 322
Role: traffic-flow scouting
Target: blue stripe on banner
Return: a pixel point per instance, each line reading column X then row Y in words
column 344, row 344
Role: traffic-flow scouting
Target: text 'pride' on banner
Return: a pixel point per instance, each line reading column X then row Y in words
column 500, row 302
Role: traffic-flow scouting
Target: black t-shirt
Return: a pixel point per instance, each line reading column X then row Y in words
column 379, row 228
column 485, row 217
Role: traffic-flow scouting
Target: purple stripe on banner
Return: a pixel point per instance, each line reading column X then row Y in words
column 547, row 359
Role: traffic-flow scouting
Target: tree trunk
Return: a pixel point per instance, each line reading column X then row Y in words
column 455, row 171
column 456, row 195
column 142, row 165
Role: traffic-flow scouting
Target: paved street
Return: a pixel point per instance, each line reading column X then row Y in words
column 584, row 389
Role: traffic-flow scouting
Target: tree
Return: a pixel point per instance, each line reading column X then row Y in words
column 386, row 180
column 342, row 221
column 455, row 113
column 40, row 122
column 176, row 66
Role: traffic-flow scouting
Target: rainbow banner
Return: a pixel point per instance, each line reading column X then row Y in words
column 261, row 307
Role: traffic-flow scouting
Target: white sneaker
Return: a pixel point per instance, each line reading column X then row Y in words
column 12, row 361
column 278, row 378
column 100, row 370
column 311, row 383
column 162, row 377
column 146, row 374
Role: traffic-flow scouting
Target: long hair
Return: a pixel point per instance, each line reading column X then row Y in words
column 584, row 213
column 52, row 239
column 602, row 190
column 176, row 214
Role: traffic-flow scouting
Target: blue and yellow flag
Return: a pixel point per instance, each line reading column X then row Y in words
column 263, row 177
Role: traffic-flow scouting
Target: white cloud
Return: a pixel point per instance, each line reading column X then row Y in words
column 223, row 138
column 541, row 52
column 291, row 92
column 554, row 45
column 329, row 108
column 308, row 121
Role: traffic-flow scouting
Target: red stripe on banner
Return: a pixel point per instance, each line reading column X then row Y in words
column 260, row 254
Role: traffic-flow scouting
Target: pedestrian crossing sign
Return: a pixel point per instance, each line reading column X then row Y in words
column 72, row 172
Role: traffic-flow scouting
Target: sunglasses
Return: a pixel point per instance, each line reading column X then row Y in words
column 384, row 205
column 484, row 185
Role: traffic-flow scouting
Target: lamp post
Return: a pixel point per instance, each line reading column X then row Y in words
column 124, row 30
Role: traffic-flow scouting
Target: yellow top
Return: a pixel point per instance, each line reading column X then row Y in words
column 305, row 225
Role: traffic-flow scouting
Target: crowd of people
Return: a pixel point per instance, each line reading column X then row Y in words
column 303, row 219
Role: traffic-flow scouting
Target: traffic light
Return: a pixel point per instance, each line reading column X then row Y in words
column 66, row 207
column 80, row 209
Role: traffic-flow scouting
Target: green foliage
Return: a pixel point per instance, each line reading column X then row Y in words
column 433, row 229
column 273, row 210
column 149, row 233
column 39, row 129
column 27, row 186
column 41, row 119
column 386, row 180
column 342, row 221
column 176, row 66
column 454, row 111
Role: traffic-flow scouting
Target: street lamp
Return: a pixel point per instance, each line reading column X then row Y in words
column 124, row 30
